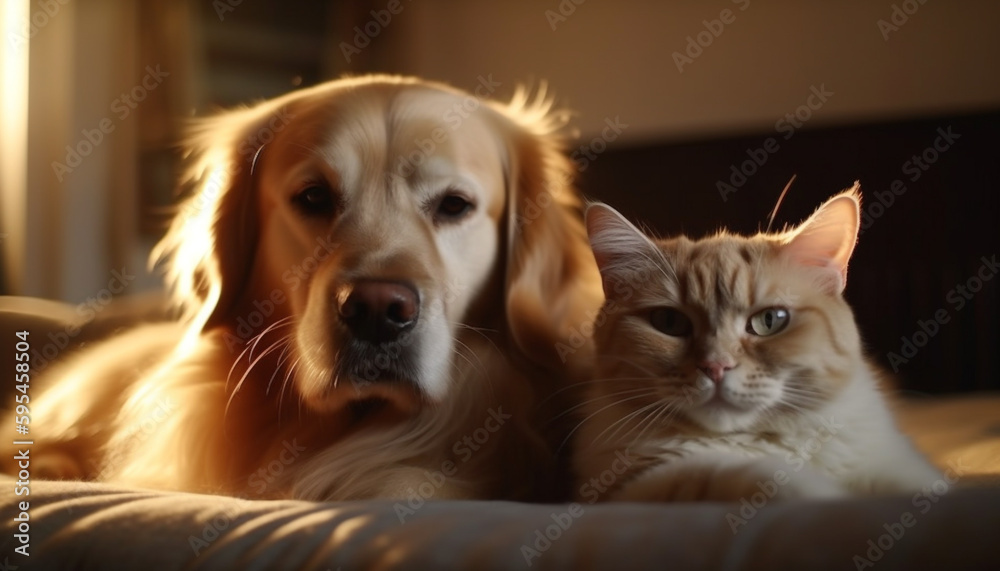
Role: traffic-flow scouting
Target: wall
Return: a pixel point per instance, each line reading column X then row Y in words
column 615, row 58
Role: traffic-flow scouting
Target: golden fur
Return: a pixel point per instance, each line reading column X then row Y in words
column 203, row 405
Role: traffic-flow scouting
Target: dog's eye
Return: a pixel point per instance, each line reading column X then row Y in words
column 315, row 200
column 452, row 208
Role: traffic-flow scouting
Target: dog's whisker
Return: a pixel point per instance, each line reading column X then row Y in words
column 475, row 364
column 457, row 351
column 236, row 361
column 246, row 374
column 277, row 368
column 482, row 332
column 478, row 365
column 285, row 321
column 249, row 345
column 287, row 384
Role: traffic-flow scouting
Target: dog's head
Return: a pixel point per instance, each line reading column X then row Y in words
column 359, row 227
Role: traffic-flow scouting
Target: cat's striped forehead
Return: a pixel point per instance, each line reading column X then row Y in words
column 722, row 273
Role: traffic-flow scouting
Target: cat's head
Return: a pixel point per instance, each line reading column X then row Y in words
column 733, row 332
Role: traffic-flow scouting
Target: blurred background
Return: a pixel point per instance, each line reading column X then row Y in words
column 688, row 115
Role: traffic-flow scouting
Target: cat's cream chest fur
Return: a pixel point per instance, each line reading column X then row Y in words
column 851, row 440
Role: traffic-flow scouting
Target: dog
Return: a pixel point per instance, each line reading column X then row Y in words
column 376, row 279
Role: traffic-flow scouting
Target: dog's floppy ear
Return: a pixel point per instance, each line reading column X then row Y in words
column 208, row 250
column 553, row 287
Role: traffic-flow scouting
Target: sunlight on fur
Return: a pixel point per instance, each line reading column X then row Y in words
column 357, row 296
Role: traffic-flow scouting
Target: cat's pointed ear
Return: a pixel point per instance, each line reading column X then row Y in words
column 827, row 238
column 616, row 243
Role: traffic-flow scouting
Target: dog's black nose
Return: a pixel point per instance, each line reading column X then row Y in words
column 379, row 311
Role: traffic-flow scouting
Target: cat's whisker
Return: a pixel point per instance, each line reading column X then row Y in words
column 802, row 395
column 644, row 418
column 604, row 380
column 800, row 389
column 592, row 415
column 796, row 407
column 622, row 422
column 799, row 393
column 802, row 400
column 653, row 419
column 647, row 390
column 629, row 359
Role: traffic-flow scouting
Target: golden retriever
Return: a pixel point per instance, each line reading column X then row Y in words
column 376, row 275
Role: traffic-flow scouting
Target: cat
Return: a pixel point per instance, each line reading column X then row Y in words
column 731, row 366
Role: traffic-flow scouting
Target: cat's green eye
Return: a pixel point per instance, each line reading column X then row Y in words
column 670, row 321
column 768, row 321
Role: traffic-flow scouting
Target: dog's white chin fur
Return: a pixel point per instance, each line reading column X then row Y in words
column 427, row 352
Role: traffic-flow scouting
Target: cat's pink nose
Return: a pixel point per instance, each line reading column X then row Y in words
column 714, row 370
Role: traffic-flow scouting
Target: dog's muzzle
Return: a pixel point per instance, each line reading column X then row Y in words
column 378, row 312
column 380, row 317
